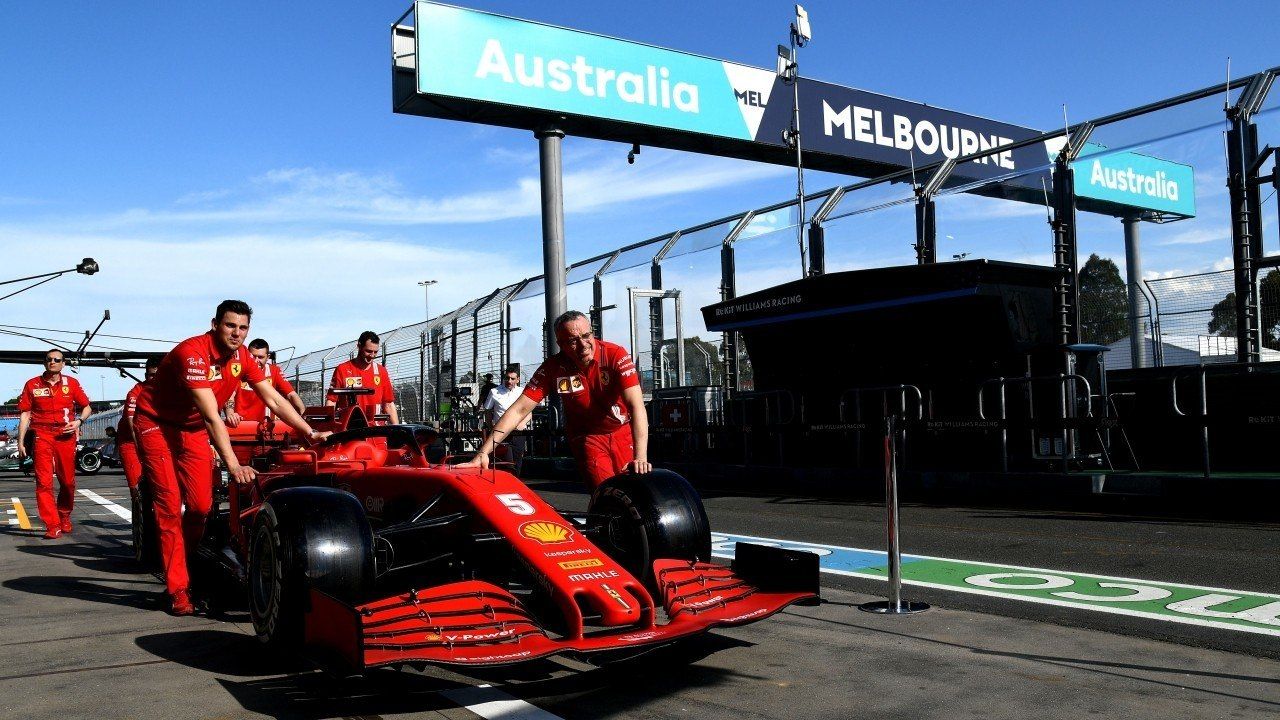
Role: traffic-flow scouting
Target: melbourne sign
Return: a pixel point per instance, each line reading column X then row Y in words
column 480, row 67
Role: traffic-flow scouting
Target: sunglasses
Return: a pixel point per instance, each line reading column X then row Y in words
column 54, row 360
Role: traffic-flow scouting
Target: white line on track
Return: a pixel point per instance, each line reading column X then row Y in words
column 493, row 704
column 114, row 508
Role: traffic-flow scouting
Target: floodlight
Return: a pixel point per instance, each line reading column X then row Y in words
column 87, row 266
column 802, row 25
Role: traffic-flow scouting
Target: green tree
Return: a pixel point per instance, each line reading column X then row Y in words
column 1222, row 319
column 1104, row 302
column 702, row 360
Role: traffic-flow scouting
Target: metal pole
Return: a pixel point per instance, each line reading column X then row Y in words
column 1133, row 270
column 795, row 136
column 422, row 377
column 895, row 605
column 557, row 299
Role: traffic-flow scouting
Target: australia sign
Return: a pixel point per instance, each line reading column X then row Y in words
column 469, row 65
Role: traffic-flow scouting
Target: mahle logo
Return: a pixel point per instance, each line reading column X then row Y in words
column 652, row 86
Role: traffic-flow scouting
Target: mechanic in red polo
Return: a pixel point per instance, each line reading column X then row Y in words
column 605, row 420
column 126, row 446
column 363, row 371
column 47, row 406
column 177, row 418
column 245, row 403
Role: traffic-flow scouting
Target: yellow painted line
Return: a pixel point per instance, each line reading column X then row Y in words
column 24, row 522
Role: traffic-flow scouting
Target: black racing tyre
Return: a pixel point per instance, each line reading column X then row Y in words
column 88, row 462
column 146, row 536
column 303, row 538
column 651, row 517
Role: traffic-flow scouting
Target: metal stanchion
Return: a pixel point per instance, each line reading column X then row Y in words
column 895, row 605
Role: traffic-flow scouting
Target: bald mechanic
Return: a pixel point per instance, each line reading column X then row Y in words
column 176, row 420
column 245, row 405
column 47, row 407
column 605, row 420
column 364, row 371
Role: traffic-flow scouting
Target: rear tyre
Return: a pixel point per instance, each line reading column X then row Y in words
column 146, row 538
column 305, row 538
column 88, row 462
column 651, row 517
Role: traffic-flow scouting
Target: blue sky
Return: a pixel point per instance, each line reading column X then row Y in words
column 247, row 149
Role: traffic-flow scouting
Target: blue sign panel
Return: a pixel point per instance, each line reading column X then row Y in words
column 476, row 66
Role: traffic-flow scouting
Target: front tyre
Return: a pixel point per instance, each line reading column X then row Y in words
column 651, row 517
column 305, row 538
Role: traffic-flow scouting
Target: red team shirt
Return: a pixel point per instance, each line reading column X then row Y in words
column 347, row 375
column 592, row 398
column 195, row 363
column 52, row 405
column 124, row 431
column 249, row 406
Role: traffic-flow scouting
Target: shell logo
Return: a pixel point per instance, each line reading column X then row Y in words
column 547, row 533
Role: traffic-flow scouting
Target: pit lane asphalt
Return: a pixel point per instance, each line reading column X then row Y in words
column 84, row 635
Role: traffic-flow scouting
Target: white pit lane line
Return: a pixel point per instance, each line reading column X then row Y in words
column 115, row 509
column 493, row 704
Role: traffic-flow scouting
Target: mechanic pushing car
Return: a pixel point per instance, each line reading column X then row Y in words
column 245, row 404
column 126, row 446
column 364, row 371
column 48, row 408
column 177, row 418
column 605, row 419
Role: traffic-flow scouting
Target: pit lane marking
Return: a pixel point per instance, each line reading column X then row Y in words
column 1242, row 611
column 492, row 704
column 21, row 520
column 114, row 508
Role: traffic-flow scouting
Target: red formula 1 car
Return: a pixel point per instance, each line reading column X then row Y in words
column 367, row 553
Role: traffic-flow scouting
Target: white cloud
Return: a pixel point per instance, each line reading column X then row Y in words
column 1196, row 236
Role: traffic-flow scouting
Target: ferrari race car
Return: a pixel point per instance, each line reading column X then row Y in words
column 366, row 553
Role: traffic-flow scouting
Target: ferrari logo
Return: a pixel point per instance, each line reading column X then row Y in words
column 66, row 390
column 377, row 379
column 235, row 369
column 546, row 532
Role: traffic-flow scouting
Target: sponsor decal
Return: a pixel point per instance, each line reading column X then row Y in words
column 564, row 553
column 546, row 532
column 244, row 385
column 602, row 575
column 571, row 384
column 713, row 600
column 235, row 369
column 746, row 616
column 481, row 637
column 194, row 361
column 616, row 596
column 215, row 373
column 639, row 636
column 374, row 503
column 580, row 564
column 41, row 392
column 353, row 382
column 604, row 378
column 496, row 658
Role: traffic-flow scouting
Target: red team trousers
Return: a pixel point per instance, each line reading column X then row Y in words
column 52, row 452
column 600, row 457
column 179, row 466
column 128, row 452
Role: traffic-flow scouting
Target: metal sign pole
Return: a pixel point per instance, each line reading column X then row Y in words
column 895, row 605
column 552, row 228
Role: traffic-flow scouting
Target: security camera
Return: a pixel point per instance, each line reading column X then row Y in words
column 802, row 25
column 631, row 156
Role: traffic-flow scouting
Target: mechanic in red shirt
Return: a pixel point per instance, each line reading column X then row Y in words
column 605, row 419
column 47, row 406
column 245, row 404
column 126, row 447
column 363, row 371
column 177, row 418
